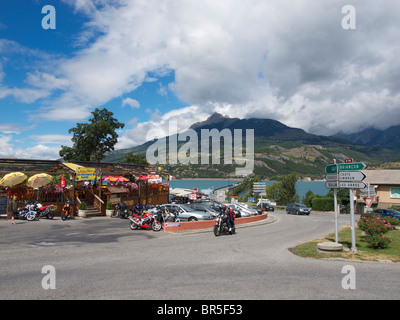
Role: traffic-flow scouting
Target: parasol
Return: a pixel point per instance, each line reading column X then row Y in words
column 39, row 180
column 122, row 179
column 12, row 179
column 109, row 178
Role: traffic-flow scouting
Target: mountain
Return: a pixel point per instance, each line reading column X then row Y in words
column 278, row 150
column 374, row 137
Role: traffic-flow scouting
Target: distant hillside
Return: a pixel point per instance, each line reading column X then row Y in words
column 279, row 150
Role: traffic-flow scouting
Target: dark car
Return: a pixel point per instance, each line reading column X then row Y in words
column 387, row 213
column 267, row 207
column 297, row 208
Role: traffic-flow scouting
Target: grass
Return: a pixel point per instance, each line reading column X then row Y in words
column 365, row 252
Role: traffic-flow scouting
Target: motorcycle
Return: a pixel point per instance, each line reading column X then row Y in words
column 148, row 221
column 66, row 210
column 121, row 210
column 27, row 213
column 43, row 211
column 221, row 226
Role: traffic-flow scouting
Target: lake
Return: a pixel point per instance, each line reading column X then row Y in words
column 317, row 187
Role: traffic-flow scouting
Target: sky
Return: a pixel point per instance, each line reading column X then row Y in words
column 153, row 62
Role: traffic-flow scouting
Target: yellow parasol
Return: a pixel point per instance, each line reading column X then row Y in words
column 12, row 179
column 39, row 180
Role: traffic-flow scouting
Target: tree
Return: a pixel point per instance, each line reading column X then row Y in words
column 284, row 191
column 136, row 159
column 92, row 140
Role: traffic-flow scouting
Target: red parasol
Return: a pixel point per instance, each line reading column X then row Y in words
column 63, row 183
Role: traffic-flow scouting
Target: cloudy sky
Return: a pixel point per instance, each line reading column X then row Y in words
column 152, row 62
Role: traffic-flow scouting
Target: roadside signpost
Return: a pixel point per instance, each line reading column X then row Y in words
column 346, row 175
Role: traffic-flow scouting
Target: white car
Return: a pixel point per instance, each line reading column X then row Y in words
column 244, row 212
column 187, row 213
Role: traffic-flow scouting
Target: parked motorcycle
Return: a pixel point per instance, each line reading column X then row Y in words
column 43, row 211
column 148, row 221
column 27, row 212
column 343, row 209
column 221, row 227
column 121, row 210
column 66, row 210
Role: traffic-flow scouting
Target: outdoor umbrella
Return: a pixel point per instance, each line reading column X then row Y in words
column 109, row 178
column 63, row 183
column 39, row 180
column 122, row 179
column 12, row 179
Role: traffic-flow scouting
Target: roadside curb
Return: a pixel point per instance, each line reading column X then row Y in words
column 267, row 220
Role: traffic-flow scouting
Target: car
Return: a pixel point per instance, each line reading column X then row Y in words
column 297, row 208
column 387, row 213
column 198, row 206
column 254, row 210
column 212, row 204
column 185, row 212
column 267, row 207
column 240, row 210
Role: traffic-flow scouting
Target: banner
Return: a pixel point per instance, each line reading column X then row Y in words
column 83, row 174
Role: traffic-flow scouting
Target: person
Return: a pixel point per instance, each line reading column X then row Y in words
column 229, row 214
column 14, row 208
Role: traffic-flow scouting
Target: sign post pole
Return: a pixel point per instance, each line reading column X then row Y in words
column 336, row 207
column 353, row 228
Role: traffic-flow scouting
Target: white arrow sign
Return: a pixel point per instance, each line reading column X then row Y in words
column 331, row 184
column 331, row 177
column 351, row 176
column 352, row 185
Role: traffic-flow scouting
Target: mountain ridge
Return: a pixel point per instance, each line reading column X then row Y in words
column 278, row 150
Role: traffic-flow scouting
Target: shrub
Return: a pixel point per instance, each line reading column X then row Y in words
column 379, row 242
column 323, row 204
column 375, row 227
column 83, row 206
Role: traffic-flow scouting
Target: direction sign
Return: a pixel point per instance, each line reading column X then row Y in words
column 331, row 184
column 331, row 177
column 332, row 168
column 351, row 166
column 351, row 176
column 352, row 185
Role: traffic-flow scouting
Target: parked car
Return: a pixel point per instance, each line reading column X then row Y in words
column 212, row 204
column 254, row 210
column 297, row 208
column 267, row 207
column 185, row 212
column 240, row 211
column 199, row 206
column 387, row 213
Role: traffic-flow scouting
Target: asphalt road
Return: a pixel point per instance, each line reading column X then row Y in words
column 101, row 258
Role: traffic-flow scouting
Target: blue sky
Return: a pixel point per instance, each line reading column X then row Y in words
column 153, row 62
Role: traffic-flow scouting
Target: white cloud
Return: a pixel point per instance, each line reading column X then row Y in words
column 290, row 61
column 131, row 102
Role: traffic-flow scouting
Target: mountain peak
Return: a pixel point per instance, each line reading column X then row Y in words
column 213, row 119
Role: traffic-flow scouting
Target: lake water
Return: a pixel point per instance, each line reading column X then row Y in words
column 317, row 187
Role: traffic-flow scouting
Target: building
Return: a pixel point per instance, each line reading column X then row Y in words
column 383, row 186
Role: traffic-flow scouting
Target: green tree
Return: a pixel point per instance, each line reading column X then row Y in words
column 284, row 191
column 92, row 140
column 136, row 159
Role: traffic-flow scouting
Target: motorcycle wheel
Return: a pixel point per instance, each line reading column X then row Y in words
column 31, row 216
column 63, row 216
column 115, row 214
column 156, row 226
column 232, row 231
column 50, row 215
column 133, row 225
column 217, row 230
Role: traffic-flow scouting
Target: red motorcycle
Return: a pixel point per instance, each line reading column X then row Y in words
column 148, row 221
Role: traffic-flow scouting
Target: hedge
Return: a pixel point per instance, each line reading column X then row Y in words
column 323, row 204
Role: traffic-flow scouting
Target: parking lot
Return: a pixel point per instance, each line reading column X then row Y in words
column 101, row 258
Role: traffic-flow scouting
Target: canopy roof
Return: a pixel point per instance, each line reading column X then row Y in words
column 54, row 167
